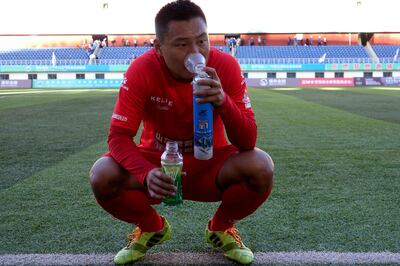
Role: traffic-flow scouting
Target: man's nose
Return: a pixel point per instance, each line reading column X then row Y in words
column 194, row 48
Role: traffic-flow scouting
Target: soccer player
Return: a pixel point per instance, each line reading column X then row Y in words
column 157, row 91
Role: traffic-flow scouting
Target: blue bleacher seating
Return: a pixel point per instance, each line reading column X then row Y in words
column 334, row 51
column 42, row 55
column 244, row 54
column 390, row 52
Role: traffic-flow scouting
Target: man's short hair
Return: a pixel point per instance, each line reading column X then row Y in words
column 179, row 10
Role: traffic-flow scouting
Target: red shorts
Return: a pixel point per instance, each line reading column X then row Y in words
column 199, row 183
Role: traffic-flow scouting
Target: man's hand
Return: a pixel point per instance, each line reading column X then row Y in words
column 159, row 184
column 211, row 90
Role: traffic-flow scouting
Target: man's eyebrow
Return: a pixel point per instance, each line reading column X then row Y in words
column 204, row 34
column 180, row 39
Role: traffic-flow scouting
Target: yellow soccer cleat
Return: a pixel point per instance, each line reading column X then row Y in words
column 231, row 244
column 139, row 242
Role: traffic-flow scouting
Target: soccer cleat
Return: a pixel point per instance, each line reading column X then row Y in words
column 231, row 244
column 139, row 242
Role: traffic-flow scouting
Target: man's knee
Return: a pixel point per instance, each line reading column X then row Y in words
column 106, row 178
column 262, row 172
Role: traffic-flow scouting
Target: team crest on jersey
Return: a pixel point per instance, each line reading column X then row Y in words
column 246, row 99
column 243, row 79
column 124, row 84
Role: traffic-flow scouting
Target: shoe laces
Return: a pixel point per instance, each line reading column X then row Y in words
column 135, row 235
column 235, row 234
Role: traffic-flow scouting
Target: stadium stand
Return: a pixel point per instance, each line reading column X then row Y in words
column 43, row 56
column 302, row 54
column 244, row 54
column 389, row 52
column 122, row 54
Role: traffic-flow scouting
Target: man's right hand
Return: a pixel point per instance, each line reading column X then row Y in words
column 159, row 184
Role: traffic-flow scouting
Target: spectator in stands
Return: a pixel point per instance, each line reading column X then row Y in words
column 238, row 41
column 325, row 42
column 310, row 39
column 157, row 90
column 232, row 43
column 251, row 41
column 90, row 49
column 319, row 40
column 289, row 41
column 104, row 43
column 85, row 44
column 259, row 40
column 135, row 43
column 233, row 46
column 94, row 52
column 295, row 40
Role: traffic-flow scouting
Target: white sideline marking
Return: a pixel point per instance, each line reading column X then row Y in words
column 332, row 89
column 52, row 91
column 185, row 258
column 286, row 89
column 385, row 88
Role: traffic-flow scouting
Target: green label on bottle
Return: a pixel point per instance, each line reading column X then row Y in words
column 174, row 171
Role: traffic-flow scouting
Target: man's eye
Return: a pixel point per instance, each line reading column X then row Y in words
column 180, row 44
column 203, row 41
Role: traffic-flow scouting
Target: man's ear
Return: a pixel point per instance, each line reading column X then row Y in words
column 157, row 45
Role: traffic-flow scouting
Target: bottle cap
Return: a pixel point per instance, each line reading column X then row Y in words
column 194, row 62
column 172, row 145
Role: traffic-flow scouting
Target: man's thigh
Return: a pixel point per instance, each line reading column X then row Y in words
column 199, row 183
column 199, row 176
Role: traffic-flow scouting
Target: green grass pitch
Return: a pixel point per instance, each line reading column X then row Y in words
column 337, row 181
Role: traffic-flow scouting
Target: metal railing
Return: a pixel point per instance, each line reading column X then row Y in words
column 315, row 60
column 240, row 60
column 63, row 62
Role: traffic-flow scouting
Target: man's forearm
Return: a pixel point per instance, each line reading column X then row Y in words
column 240, row 127
column 126, row 153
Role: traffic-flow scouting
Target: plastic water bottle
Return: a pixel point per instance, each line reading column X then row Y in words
column 171, row 165
column 202, row 112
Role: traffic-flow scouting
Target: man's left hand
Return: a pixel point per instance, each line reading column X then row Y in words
column 210, row 89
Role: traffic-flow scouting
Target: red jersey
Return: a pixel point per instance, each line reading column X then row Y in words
column 149, row 94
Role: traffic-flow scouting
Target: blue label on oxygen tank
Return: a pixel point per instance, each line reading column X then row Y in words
column 203, row 129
